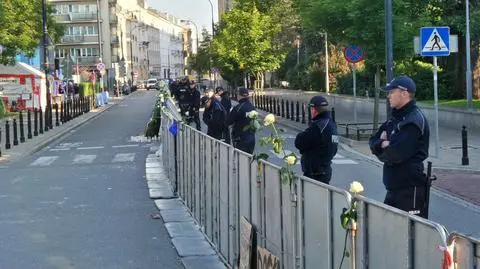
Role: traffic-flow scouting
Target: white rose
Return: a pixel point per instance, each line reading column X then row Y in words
column 269, row 120
column 291, row 160
column 252, row 114
column 356, row 187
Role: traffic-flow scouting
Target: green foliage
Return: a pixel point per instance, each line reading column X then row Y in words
column 2, row 109
column 21, row 28
column 87, row 89
column 201, row 62
column 153, row 126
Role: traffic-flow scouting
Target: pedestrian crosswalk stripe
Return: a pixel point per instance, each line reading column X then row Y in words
column 59, row 149
column 83, row 148
column 84, row 159
column 44, row 161
column 125, row 146
column 123, row 157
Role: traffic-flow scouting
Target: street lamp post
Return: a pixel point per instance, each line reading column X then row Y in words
column 468, row 74
column 389, row 46
column 213, row 23
column 327, row 77
column 45, row 63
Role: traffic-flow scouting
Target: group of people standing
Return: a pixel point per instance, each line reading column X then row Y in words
column 401, row 143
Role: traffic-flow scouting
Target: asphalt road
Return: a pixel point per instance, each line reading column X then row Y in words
column 82, row 202
column 452, row 212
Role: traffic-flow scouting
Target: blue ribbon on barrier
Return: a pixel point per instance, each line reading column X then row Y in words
column 173, row 128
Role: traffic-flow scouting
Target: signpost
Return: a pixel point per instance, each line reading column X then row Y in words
column 435, row 41
column 354, row 54
column 101, row 68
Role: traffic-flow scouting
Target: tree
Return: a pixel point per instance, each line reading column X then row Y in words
column 245, row 41
column 21, row 28
column 201, row 62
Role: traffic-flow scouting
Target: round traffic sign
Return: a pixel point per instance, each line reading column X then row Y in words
column 100, row 66
column 353, row 54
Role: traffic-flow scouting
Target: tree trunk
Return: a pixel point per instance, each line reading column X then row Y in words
column 375, row 102
column 262, row 81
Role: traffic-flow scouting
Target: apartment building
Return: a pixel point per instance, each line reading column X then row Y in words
column 224, row 6
column 133, row 41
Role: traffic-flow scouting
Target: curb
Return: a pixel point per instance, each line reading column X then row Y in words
column 193, row 247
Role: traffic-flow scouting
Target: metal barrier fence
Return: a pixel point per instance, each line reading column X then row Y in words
column 298, row 223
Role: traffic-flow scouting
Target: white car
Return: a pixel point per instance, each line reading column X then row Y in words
column 151, row 83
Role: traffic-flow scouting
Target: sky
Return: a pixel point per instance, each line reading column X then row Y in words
column 199, row 11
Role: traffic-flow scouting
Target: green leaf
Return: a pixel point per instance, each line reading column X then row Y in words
column 277, row 147
column 344, row 218
column 263, row 156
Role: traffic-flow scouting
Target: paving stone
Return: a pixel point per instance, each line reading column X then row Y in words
column 166, row 204
column 183, row 230
column 203, row 262
column 158, row 184
column 156, row 176
column 153, row 164
column 192, row 247
column 175, row 215
column 154, row 170
column 164, row 193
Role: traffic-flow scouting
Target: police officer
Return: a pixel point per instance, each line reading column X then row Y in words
column 242, row 139
column 215, row 118
column 318, row 143
column 401, row 144
column 194, row 101
column 227, row 104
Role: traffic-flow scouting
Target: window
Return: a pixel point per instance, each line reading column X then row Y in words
column 70, row 8
column 60, row 53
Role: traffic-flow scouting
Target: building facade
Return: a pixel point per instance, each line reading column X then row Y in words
column 133, row 41
column 224, row 6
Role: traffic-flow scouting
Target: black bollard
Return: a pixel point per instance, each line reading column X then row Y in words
column 333, row 114
column 297, row 116
column 7, row 135
column 29, row 124
column 22, row 125
column 0, row 141
column 292, row 111
column 283, row 108
column 15, row 132
column 40, row 116
column 278, row 107
column 45, row 123
column 428, row 185
column 287, row 113
column 35, row 123
column 303, row 113
column 57, row 121
column 271, row 104
column 465, row 160
column 274, row 110
column 50, row 119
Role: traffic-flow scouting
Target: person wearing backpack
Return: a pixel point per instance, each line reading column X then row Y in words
column 215, row 118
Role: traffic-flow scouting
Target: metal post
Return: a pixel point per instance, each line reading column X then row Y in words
column 327, row 78
column 57, row 122
column 465, row 160
column 213, row 23
column 303, row 114
column 283, row 108
column 40, row 116
column 278, row 107
column 292, row 111
column 29, row 124
column 22, row 131
column 45, row 59
column 333, row 114
column 435, row 96
column 35, row 118
column 287, row 114
column 468, row 60
column 15, row 132
column 354, row 68
column 389, row 47
column 297, row 116
column 46, row 119
column 7, row 135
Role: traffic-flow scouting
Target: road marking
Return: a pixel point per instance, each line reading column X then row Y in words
column 123, row 157
column 60, row 149
column 84, row 159
column 44, row 161
column 86, row 148
column 343, row 161
column 125, row 146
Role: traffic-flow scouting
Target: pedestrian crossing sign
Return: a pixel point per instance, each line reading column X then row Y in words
column 435, row 41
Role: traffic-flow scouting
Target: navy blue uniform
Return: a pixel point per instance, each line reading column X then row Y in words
column 227, row 104
column 215, row 118
column 242, row 139
column 318, row 145
column 408, row 133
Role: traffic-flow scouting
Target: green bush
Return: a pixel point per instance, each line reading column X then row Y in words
column 365, row 82
column 86, row 89
column 2, row 109
column 153, row 126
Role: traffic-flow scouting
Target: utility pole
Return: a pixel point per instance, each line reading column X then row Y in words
column 100, row 52
column 468, row 74
column 45, row 62
column 389, row 46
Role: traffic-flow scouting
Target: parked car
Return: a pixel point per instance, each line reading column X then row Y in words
column 151, row 83
column 126, row 89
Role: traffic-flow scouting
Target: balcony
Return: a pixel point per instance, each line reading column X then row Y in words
column 83, row 17
column 79, row 39
column 90, row 60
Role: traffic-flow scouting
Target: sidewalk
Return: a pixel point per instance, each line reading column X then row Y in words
column 35, row 144
column 452, row 177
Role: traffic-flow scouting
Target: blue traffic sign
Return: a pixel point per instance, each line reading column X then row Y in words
column 435, row 41
column 353, row 54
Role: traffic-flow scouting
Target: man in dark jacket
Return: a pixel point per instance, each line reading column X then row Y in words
column 318, row 143
column 401, row 144
column 227, row 104
column 215, row 118
column 242, row 139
